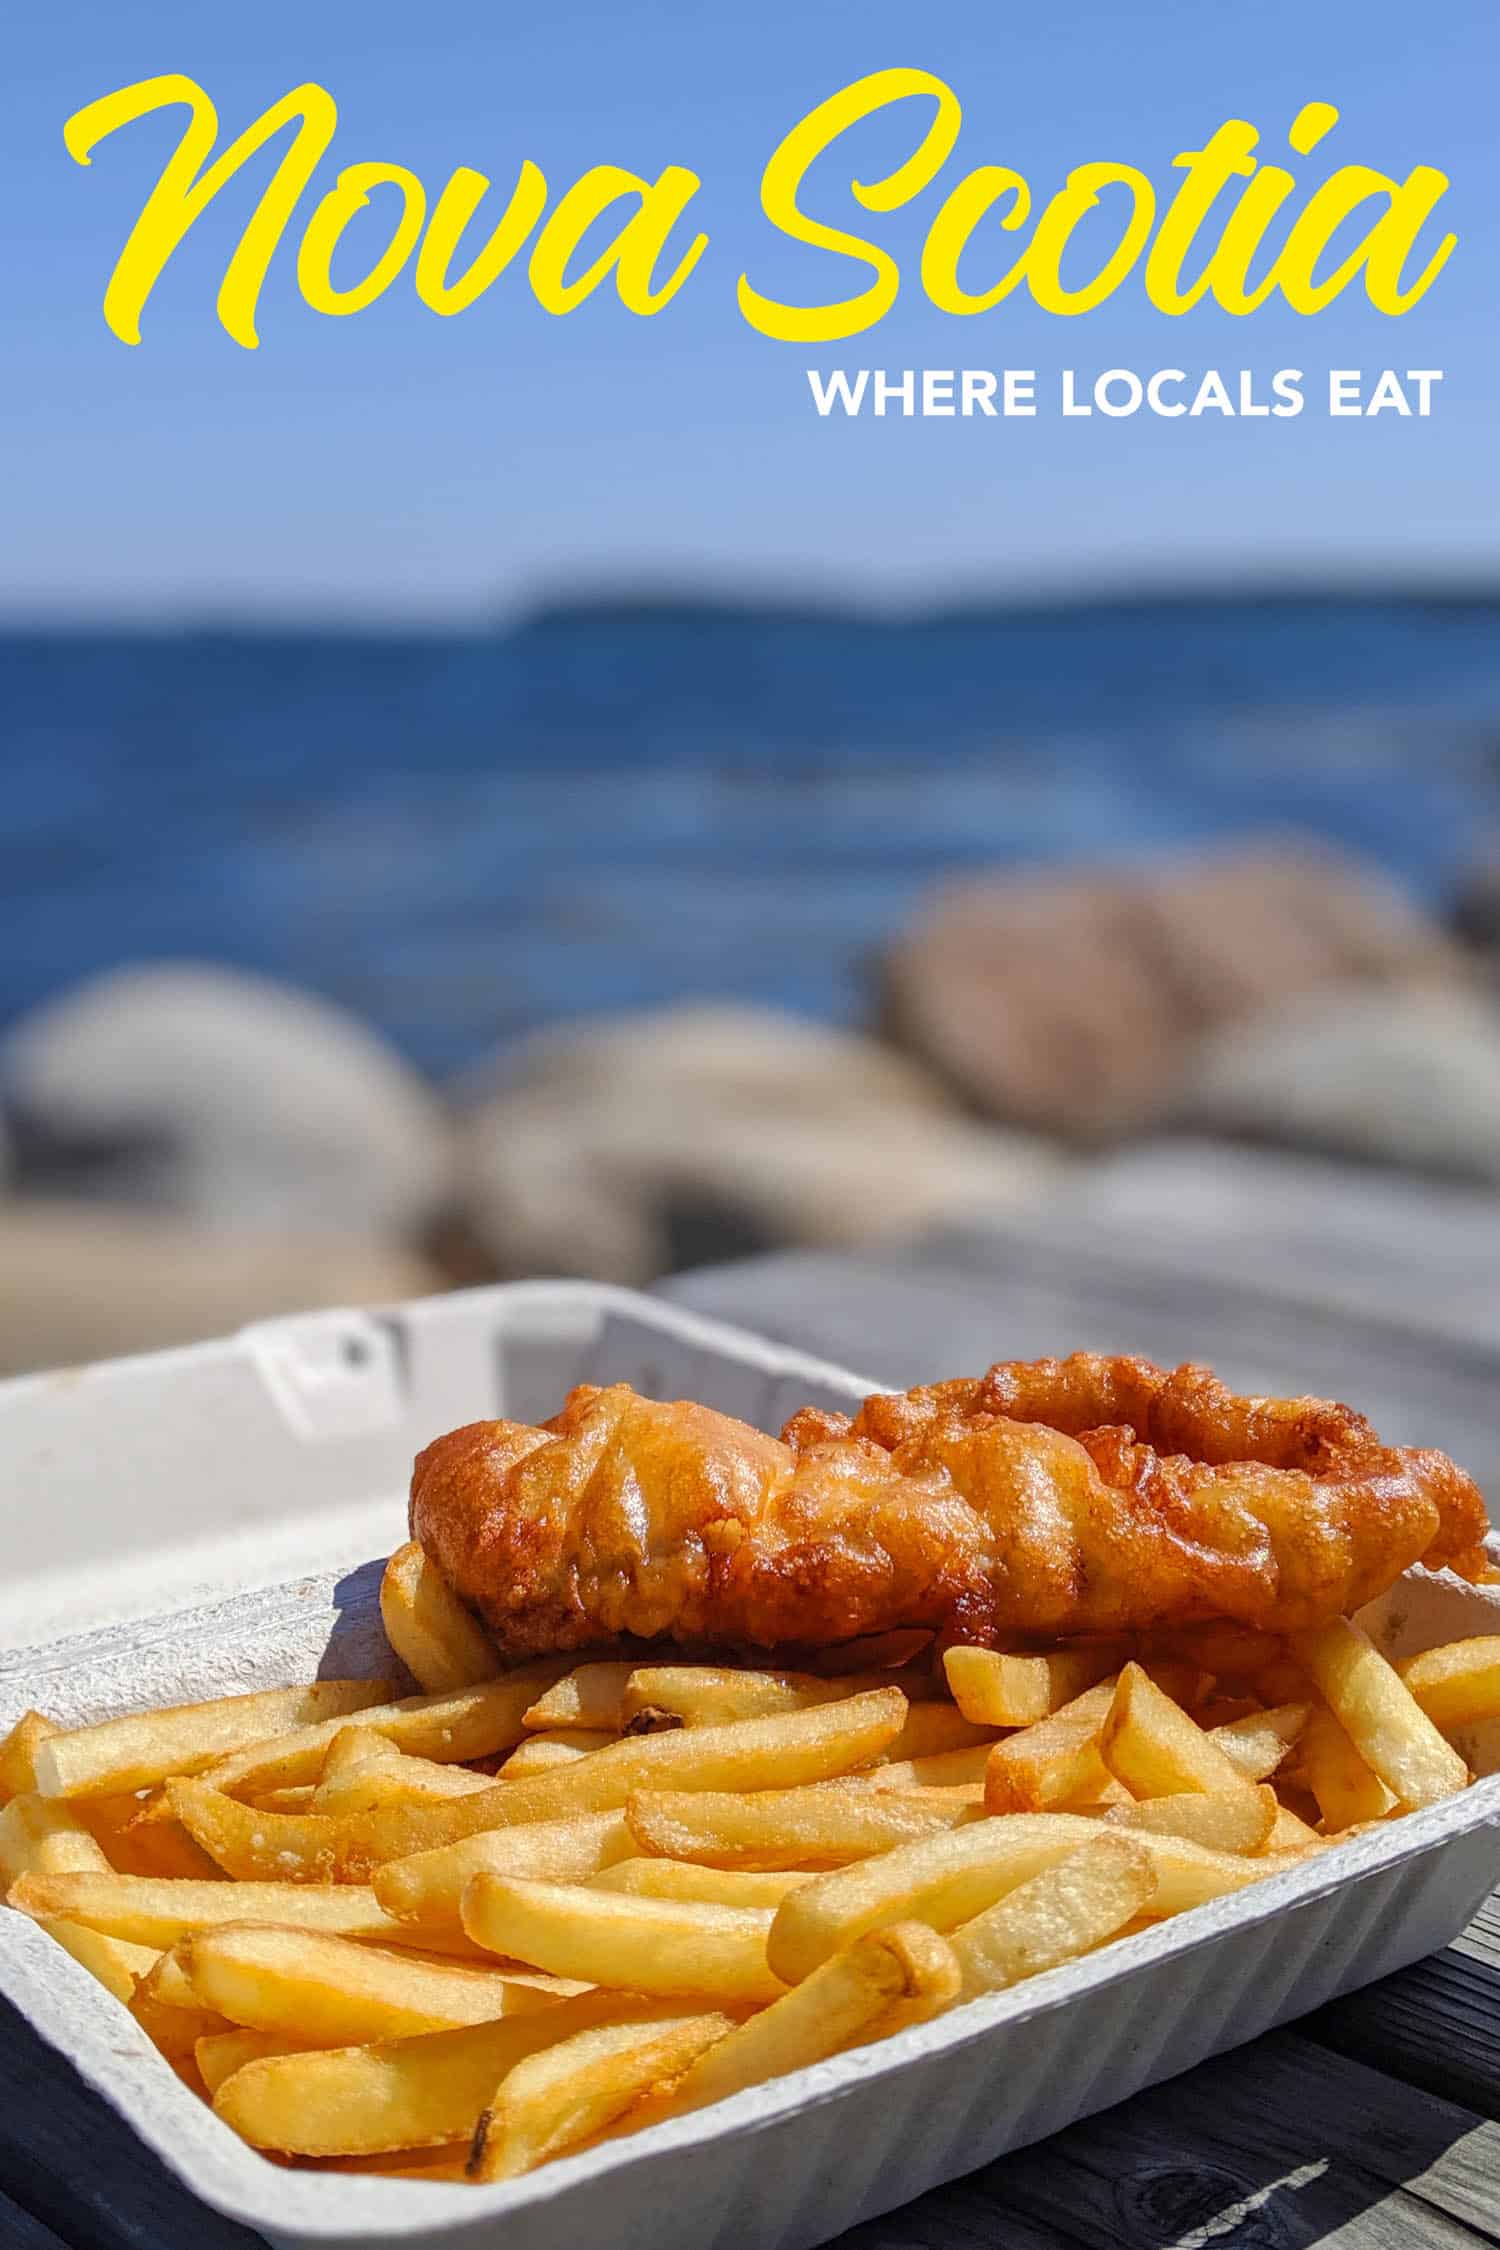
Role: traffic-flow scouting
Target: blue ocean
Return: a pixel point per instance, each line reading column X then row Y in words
column 612, row 805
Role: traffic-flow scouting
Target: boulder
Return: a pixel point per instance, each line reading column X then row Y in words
column 633, row 1147
column 78, row 1282
column 225, row 1099
column 1071, row 1003
column 1407, row 1078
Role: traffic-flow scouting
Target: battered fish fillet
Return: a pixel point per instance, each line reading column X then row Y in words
column 1053, row 1497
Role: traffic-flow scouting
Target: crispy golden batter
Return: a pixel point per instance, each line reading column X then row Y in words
column 1057, row 1497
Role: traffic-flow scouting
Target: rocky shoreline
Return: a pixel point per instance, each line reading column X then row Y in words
column 183, row 1147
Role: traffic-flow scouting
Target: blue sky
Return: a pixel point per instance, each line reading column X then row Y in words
column 395, row 465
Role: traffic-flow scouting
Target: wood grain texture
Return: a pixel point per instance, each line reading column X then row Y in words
column 70, row 2162
column 20, row 2231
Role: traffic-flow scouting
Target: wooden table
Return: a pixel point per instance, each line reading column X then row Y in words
column 1375, row 2122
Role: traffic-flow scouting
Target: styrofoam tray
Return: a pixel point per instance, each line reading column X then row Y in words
column 194, row 1474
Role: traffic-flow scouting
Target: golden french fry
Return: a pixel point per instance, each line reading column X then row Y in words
column 170, row 2014
column 473, row 1722
column 934, row 1730
column 1054, row 1761
column 17, row 1753
column 945, row 1769
column 117, row 1965
column 712, row 1694
column 441, row 1643
column 330, row 1992
column 1242, row 1819
column 1380, row 1715
column 296, row 1799
column 400, row 2093
column 1256, row 1744
column 550, row 2102
column 1149, row 1743
column 352, row 1751
column 136, row 1840
column 540, row 1753
column 1059, row 1913
column 1458, row 1684
column 941, row 1880
column 635, row 1944
column 685, row 1878
column 885, row 1979
column 1189, row 1874
column 44, row 1836
column 824, row 1826
column 1347, row 1792
column 147, row 1911
column 1292, row 1834
column 793, row 1747
column 139, row 1751
column 426, row 1889
column 997, row 1690
column 222, row 2053
column 588, row 1696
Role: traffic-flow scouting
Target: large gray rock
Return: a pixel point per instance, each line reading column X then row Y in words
column 1401, row 1078
column 1070, row 1003
column 223, row 1098
column 628, row 1148
column 78, row 1282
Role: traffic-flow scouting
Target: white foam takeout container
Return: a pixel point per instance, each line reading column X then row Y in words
column 151, row 1501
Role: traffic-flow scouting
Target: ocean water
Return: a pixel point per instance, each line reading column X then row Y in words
column 610, row 806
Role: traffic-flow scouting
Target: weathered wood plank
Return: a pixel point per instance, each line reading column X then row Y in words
column 1436, row 2025
column 1281, row 2143
column 78, row 2168
column 20, row 2231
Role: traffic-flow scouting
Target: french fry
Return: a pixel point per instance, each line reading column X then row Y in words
column 149, row 1912
column 329, row 1992
column 139, row 1751
column 1256, row 1744
column 1054, row 1761
column 117, row 1965
column 1149, row 1743
column 713, row 1694
column 441, row 1644
column 1348, row 1794
column 472, row 1722
column 1059, row 1913
column 1189, row 1874
column 792, row 1748
column 635, row 1944
column 222, row 2053
column 997, row 1690
column 17, row 1754
column 684, row 1878
column 352, row 1751
column 137, row 1839
column 885, row 1979
column 1242, row 1819
column 550, row 2102
column 540, row 1753
column 933, row 1730
column 944, row 1769
column 426, row 1889
column 941, row 1880
column 42, row 1836
column 1459, row 1684
column 588, row 1696
column 1380, row 1715
column 825, row 1826
column 1292, row 1834
column 400, row 2093
column 167, row 2011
